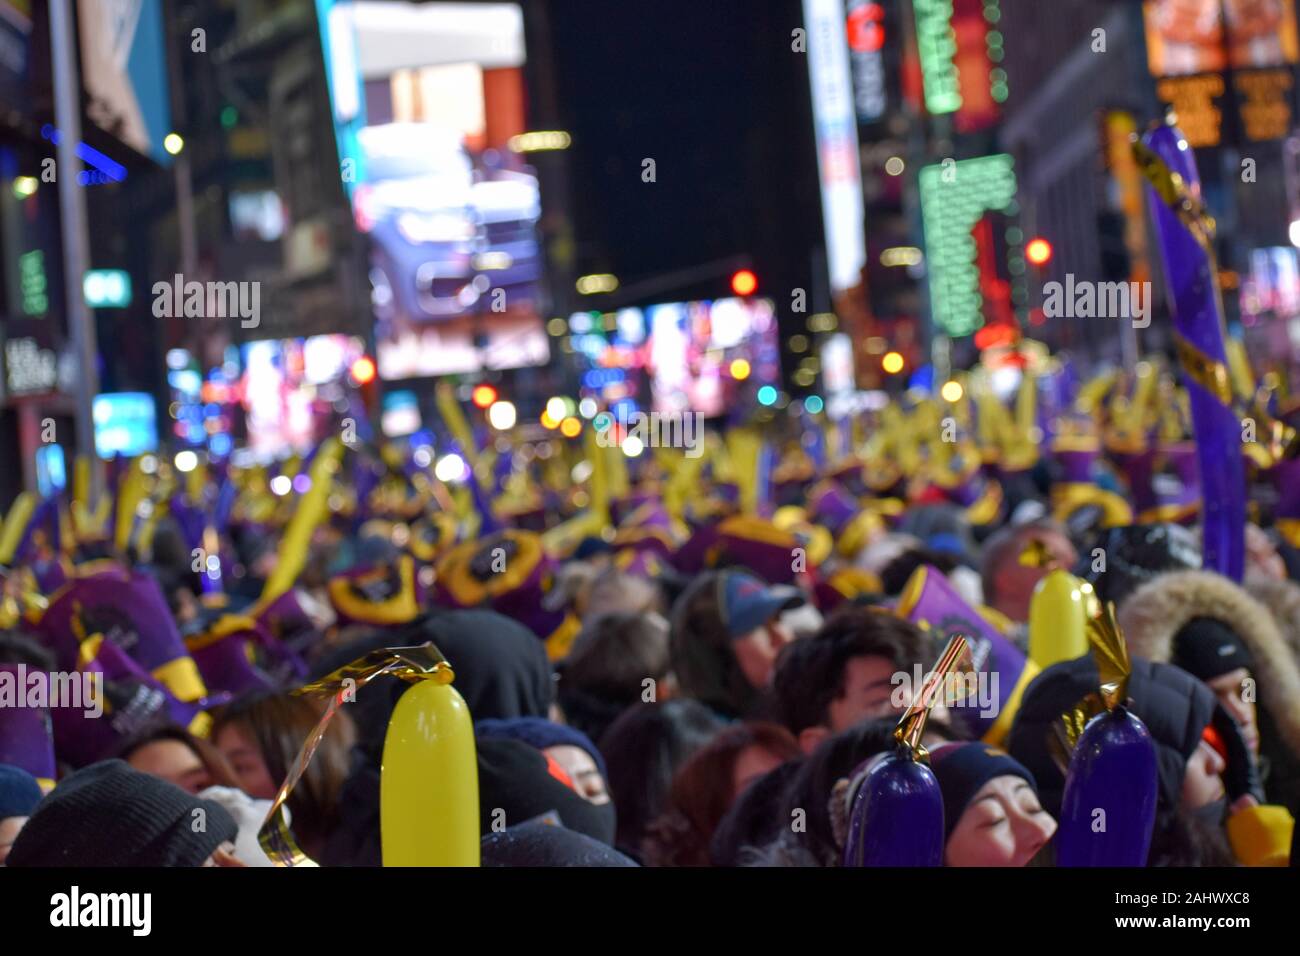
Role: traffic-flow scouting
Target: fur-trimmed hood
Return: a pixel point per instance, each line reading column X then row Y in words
column 1153, row 614
column 1282, row 598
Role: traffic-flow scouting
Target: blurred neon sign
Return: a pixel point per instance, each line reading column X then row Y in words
column 955, row 195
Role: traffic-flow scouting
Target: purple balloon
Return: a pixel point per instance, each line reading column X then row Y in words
column 1190, row 282
column 1113, row 770
column 897, row 816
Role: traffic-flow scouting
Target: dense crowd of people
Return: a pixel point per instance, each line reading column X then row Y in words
column 705, row 674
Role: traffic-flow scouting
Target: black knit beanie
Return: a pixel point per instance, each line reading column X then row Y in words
column 963, row 768
column 108, row 814
column 1208, row 648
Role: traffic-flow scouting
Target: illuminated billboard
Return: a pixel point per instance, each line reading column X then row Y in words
column 124, row 69
column 709, row 357
column 448, row 207
column 1206, row 36
column 125, row 424
column 292, row 391
column 866, row 30
column 835, row 121
column 1192, row 43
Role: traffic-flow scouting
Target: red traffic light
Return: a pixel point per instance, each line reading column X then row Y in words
column 744, row 282
column 483, row 395
column 1038, row 251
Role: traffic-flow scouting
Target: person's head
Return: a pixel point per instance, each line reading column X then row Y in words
column 817, row 792
column 992, row 816
column 1222, row 635
column 895, row 575
column 573, row 750
column 944, row 527
column 708, row 784
column 517, row 783
column 1203, row 776
column 643, row 749
column 844, row 673
column 109, row 815
column 168, row 550
column 1263, row 560
column 500, row 665
column 1009, row 581
column 177, row 756
column 569, row 590
column 612, row 590
column 726, row 635
column 1134, row 555
column 755, row 818
column 261, row 736
column 19, row 795
column 606, row 669
column 1212, row 651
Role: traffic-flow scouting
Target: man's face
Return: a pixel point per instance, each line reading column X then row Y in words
column 868, row 687
column 1230, row 688
column 1014, row 581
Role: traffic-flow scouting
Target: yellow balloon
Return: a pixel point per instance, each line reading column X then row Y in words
column 428, row 789
column 1057, row 613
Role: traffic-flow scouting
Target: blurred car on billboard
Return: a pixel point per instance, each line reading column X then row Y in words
column 506, row 210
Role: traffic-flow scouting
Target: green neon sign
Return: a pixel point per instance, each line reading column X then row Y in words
column 936, row 42
column 937, row 47
column 32, row 283
column 955, row 195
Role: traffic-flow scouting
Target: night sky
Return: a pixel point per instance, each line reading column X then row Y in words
column 713, row 93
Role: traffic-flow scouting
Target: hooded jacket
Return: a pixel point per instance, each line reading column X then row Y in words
column 1173, row 704
column 1154, row 613
column 1282, row 598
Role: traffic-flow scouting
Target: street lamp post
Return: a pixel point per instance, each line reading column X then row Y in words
column 76, row 241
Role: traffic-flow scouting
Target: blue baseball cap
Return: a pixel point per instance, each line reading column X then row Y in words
column 746, row 603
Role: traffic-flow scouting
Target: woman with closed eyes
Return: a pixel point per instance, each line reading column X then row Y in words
column 992, row 815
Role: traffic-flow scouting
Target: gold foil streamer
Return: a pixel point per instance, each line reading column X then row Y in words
column 421, row 662
column 1065, row 732
column 1110, row 653
column 911, row 727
